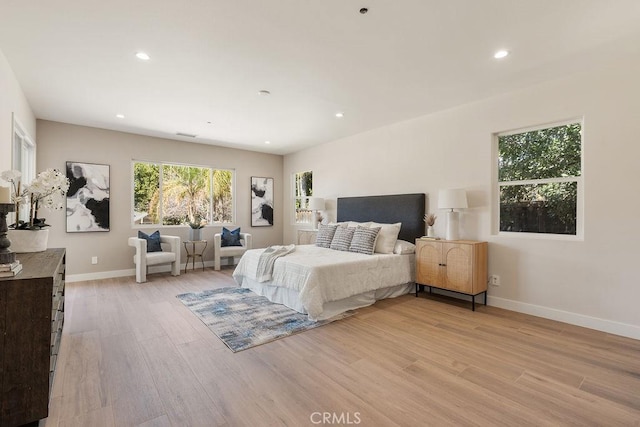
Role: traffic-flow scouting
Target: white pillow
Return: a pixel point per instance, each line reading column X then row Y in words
column 361, row 224
column 403, row 247
column 387, row 237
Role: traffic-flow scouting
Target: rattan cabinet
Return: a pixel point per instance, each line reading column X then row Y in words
column 455, row 265
column 31, row 320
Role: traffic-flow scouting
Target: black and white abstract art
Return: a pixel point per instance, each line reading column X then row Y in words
column 88, row 197
column 261, row 201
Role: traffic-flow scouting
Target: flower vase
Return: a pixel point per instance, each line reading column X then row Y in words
column 430, row 231
column 23, row 241
column 195, row 234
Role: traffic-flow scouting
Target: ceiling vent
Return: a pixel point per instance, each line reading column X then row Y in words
column 188, row 135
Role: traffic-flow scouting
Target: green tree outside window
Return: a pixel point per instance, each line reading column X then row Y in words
column 539, row 172
column 171, row 194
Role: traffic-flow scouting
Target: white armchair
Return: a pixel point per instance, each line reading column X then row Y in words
column 142, row 259
column 220, row 251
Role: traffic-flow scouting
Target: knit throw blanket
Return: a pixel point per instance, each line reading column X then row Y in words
column 268, row 258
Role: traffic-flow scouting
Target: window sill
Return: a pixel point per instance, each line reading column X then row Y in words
column 539, row 236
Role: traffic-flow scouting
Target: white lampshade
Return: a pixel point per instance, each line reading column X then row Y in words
column 452, row 199
column 316, row 204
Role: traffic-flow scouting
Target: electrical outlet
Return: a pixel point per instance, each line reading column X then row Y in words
column 94, row 260
column 494, row 280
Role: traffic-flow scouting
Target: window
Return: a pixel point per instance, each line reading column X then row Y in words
column 171, row 194
column 302, row 190
column 24, row 159
column 540, row 180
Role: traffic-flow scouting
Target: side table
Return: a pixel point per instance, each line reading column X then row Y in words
column 307, row 237
column 190, row 247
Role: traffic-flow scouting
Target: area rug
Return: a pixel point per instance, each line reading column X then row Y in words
column 243, row 319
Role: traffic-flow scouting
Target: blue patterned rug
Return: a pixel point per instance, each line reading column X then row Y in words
column 243, row 319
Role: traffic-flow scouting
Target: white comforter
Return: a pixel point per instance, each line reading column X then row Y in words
column 322, row 275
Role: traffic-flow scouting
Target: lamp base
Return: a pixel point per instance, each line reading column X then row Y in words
column 453, row 225
column 7, row 256
column 317, row 219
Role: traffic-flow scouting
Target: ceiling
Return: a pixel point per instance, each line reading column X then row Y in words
column 75, row 61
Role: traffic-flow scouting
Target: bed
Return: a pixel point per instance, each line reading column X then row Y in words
column 323, row 282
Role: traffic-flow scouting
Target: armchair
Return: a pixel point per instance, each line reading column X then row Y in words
column 220, row 251
column 142, row 259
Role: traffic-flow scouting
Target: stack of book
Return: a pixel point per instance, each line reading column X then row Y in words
column 10, row 270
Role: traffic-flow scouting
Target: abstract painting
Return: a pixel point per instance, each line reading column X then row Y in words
column 261, row 201
column 88, row 197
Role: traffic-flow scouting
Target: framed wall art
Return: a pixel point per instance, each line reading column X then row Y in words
column 261, row 201
column 88, row 197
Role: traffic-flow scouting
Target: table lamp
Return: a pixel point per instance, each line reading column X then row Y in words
column 316, row 204
column 452, row 199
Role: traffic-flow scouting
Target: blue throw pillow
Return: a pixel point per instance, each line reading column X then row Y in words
column 153, row 241
column 230, row 238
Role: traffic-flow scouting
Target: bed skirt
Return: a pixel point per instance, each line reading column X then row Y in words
column 289, row 297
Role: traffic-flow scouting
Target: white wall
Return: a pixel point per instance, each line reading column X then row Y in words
column 12, row 100
column 594, row 282
column 60, row 142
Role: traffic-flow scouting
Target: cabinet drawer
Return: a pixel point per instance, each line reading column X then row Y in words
column 55, row 342
column 57, row 305
column 52, row 364
column 58, row 283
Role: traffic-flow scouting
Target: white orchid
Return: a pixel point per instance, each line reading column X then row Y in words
column 11, row 176
column 46, row 190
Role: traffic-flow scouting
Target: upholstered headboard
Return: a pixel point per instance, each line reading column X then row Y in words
column 405, row 208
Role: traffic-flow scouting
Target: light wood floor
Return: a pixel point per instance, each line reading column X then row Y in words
column 133, row 355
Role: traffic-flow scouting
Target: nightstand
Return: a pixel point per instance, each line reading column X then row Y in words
column 307, row 237
column 454, row 265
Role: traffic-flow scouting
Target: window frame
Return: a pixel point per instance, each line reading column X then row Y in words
column 296, row 198
column 579, row 180
column 23, row 159
column 161, row 164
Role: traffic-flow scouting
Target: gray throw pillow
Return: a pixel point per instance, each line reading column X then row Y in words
column 342, row 238
column 325, row 235
column 364, row 240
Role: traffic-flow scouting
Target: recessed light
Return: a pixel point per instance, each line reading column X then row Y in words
column 267, row 142
column 143, row 55
column 501, row 54
column 339, row 115
column 120, row 116
column 264, row 92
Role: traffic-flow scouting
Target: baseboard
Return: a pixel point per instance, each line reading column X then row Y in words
column 609, row 326
column 70, row 278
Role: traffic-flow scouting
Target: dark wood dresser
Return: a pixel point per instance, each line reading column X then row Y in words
column 31, row 318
